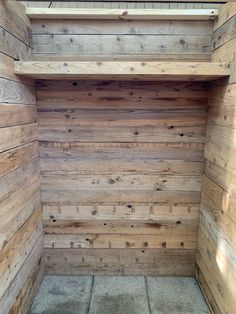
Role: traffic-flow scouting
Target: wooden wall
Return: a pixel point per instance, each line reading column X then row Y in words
column 121, row 166
column 130, row 40
column 216, row 255
column 20, row 208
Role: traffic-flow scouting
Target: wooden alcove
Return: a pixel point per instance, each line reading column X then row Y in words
column 117, row 147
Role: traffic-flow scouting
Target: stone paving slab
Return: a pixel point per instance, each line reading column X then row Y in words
column 119, row 295
column 178, row 295
column 63, row 295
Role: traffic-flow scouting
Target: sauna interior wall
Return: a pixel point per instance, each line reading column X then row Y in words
column 216, row 254
column 21, row 234
column 121, row 162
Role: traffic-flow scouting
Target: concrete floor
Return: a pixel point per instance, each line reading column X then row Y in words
column 118, row 295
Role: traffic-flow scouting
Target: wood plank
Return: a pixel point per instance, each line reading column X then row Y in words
column 94, row 45
column 10, row 182
column 225, row 53
column 107, row 227
column 119, row 182
column 76, row 27
column 29, row 289
column 129, row 211
column 221, row 135
column 226, row 11
column 115, row 57
column 219, row 205
column 14, row 136
column 122, row 70
column 120, row 117
column 14, row 254
column 216, row 259
column 7, row 70
column 105, row 167
column 174, row 240
column 224, row 33
column 126, row 134
column 16, row 114
column 16, row 157
column 16, row 93
column 118, row 197
column 32, row 264
column 157, row 262
column 122, row 151
column 11, row 15
column 206, row 291
column 137, row 14
column 13, row 47
column 24, row 207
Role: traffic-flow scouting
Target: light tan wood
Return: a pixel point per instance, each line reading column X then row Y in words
column 72, row 13
column 13, row 158
column 226, row 11
column 152, row 262
column 216, row 241
column 13, row 255
column 20, row 204
column 17, row 135
column 14, row 20
column 123, row 70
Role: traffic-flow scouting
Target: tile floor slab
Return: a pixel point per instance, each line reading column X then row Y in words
column 175, row 295
column 119, row 295
column 63, row 295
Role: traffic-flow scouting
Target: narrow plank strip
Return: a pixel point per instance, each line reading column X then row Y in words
column 122, row 70
column 174, row 240
column 15, row 136
column 136, row 14
column 16, row 114
column 16, row 157
column 16, row 93
column 129, row 211
column 158, row 262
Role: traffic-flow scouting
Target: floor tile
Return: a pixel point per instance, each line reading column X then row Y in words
column 175, row 295
column 63, row 295
column 119, row 295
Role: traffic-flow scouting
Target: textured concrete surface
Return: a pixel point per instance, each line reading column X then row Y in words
column 118, row 295
column 175, row 295
column 63, row 295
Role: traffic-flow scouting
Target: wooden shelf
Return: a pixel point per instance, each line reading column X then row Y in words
column 129, row 14
column 122, row 70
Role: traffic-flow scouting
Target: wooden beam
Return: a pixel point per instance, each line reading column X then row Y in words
column 123, row 70
column 130, row 14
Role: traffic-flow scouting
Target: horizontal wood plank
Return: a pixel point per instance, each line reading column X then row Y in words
column 136, row 14
column 119, row 261
column 16, row 114
column 15, row 136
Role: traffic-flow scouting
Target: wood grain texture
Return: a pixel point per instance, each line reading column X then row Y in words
column 216, row 254
column 21, row 229
column 123, row 70
column 145, row 40
column 136, row 14
column 104, row 190
column 150, row 262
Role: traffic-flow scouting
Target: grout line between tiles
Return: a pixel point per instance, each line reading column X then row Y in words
column 149, row 306
column 91, row 291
